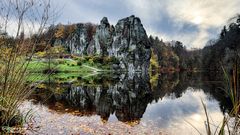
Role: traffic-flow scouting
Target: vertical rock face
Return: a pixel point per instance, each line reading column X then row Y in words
column 77, row 42
column 127, row 41
column 131, row 44
column 104, row 37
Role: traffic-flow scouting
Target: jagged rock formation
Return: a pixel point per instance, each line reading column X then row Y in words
column 104, row 37
column 127, row 41
column 131, row 44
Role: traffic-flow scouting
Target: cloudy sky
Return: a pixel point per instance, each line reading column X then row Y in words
column 192, row 22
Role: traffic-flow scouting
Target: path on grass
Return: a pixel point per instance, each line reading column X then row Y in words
column 89, row 75
column 93, row 68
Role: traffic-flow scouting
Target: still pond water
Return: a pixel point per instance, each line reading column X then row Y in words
column 103, row 103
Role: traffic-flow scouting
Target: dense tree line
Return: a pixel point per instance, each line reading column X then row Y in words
column 174, row 55
column 220, row 53
column 224, row 51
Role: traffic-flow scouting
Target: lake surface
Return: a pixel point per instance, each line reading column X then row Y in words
column 122, row 103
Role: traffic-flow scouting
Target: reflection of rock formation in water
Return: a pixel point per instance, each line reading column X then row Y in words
column 137, row 94
column 125, row 95
column 128, row 98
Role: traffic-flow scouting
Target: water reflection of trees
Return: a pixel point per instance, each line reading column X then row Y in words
column 126, row 96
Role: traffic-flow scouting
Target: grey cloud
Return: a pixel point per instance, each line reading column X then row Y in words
column 190, row 21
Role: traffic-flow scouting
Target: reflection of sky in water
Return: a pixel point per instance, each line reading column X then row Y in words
column 172, row 113
column 167, row 115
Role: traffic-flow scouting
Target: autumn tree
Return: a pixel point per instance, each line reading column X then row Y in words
column 59, row 34
column 13, row 87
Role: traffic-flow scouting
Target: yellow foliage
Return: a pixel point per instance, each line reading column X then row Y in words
column 41, row 54
column 60, row 31
column 153, row 61
column 57, row 49
column 154, row 80
column 5, row 53
column 42, row 86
